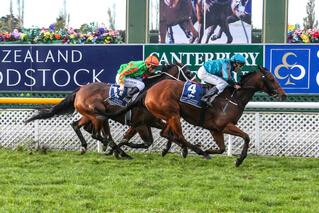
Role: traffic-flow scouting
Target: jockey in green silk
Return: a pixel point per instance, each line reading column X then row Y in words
column 131, row 75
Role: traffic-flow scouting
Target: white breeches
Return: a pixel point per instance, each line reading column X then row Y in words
column 131, row 82
column 220, row 83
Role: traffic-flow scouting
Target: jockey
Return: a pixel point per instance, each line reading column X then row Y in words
column 131, row 75
column 221, row 73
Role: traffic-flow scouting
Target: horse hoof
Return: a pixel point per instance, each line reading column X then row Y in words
column 213, row 38
column 184, row 153
column 116, row 155
column 109, row 152
column 127, row 157
column 83, row 150
column 164, row 152
column 207, row 157
column 104, row 148
column 238, row 162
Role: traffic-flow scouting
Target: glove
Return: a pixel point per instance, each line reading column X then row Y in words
column 121, row 90
column 237, row 86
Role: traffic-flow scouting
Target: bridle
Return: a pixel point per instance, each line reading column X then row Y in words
column 270, row 88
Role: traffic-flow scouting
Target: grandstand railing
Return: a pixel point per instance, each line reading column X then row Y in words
column 279, row 133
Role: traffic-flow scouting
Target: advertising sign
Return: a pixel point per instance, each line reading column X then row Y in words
column 296, row 67
column 209, row 21
column 61, row 68
column 194, row 56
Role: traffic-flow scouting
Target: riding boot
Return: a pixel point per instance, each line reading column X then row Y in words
column 131, row 93
column 210, row 95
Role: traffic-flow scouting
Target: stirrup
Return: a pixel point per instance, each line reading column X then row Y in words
column 211, row 99
column 127, row 99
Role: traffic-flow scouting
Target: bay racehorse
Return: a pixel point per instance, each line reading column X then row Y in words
column 162, row 100
column 86, row 99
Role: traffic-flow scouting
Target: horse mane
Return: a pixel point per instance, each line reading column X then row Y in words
column 230, row 89
column 248, row 75
column 166, row 67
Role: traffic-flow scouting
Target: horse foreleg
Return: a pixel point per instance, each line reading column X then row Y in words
column 211, row 30
column 232, row 18
column 163, row 30
column 219, row 139
column 234, row 130
column 225, row 28
column 219, row 35
column 200, row 20
column 195, row 34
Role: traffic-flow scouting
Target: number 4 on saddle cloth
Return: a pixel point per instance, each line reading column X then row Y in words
column 116, row 99
column 192, row 94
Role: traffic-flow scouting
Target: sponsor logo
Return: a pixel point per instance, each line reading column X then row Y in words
column 317, row 79
column 291, row 67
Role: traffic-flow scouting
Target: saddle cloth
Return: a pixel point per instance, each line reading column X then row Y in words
column 192, row 94
column 115, row 98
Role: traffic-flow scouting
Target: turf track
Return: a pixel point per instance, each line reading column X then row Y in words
column 69, row 182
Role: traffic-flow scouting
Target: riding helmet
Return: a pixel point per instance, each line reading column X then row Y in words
column 238, row 59
column 152, row 60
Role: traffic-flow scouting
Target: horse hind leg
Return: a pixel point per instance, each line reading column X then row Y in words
column 219, row 139
column 76, row 125
column 144, row 133
column 167, row 133
column 175, row 125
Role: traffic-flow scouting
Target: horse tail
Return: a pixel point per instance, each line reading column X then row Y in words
column 64, row 107
column 138, row 101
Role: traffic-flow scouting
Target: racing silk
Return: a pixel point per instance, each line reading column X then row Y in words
column 133, row 69
column 223, row 69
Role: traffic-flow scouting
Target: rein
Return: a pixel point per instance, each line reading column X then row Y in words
column 180, row 72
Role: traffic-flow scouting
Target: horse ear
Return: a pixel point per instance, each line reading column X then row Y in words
column 261, row 68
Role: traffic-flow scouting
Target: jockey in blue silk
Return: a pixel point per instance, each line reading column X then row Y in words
column 221, row 73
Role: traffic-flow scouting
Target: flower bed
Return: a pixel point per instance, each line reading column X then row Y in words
column 100, row 35
column 297, row 35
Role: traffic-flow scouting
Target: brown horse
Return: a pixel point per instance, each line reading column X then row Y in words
column 177, row 12
column 162, row 100
column 90, row 97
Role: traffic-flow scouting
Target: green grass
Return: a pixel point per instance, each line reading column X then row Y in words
column 69, row 182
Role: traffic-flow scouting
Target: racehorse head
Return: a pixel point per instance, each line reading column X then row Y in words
column 263, row 80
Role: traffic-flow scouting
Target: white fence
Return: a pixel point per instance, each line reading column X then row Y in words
column 280, row 134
